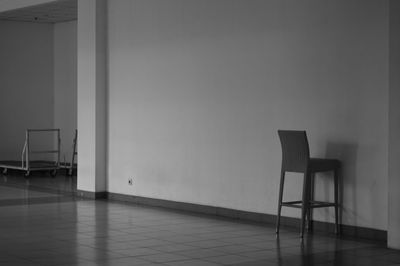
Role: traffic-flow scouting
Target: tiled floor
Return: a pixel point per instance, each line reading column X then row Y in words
column 42, row 225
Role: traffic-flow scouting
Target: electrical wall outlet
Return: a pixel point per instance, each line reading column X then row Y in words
column 130, row 181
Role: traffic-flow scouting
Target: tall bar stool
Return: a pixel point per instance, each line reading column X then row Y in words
column 296, row 158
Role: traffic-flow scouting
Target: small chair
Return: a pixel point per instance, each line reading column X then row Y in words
column 296, row 158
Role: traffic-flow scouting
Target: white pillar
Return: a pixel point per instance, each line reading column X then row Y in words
column 394, row 127
column 92, row 108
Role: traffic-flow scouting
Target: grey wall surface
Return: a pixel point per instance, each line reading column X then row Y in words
column 26, row 82
column 65, row 84
column 198, row 89
column 394, row 128
column 38, row 84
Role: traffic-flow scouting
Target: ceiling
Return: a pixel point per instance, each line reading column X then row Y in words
column 52, row 12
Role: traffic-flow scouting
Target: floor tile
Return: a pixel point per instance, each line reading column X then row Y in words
column 43, row 223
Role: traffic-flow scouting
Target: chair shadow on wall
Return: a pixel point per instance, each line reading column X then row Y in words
column 347, row 154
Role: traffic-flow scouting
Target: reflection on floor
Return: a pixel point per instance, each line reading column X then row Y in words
column 40, row 181
column 42, row 223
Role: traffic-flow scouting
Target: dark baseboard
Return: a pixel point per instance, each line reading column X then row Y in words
column 365, row 233
column 91, row 195
column 346, row 230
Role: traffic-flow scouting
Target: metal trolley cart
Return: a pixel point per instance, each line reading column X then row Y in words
column 27, row 164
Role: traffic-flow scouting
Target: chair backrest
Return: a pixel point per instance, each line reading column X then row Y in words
column 295, row 150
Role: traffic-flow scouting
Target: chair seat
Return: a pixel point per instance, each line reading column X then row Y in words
column 322, row 165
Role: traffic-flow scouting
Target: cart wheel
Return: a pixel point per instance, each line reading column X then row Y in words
column 70, row 172
column 27, row 173
column 53, row 173
column 4, row 171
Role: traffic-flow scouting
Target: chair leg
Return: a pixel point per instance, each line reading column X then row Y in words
column 336, row 192
column 305, row 203
column 278, row 219
column 311, row 198
column 303, row 220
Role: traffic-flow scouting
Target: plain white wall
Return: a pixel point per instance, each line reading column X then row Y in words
column 27, row 95
column 198, row 89
column 6, row 5
column 394, row 128
column 65, row 84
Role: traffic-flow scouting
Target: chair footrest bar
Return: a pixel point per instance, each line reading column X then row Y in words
column 293, row 204
column 313, row 204
column 321, row 204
